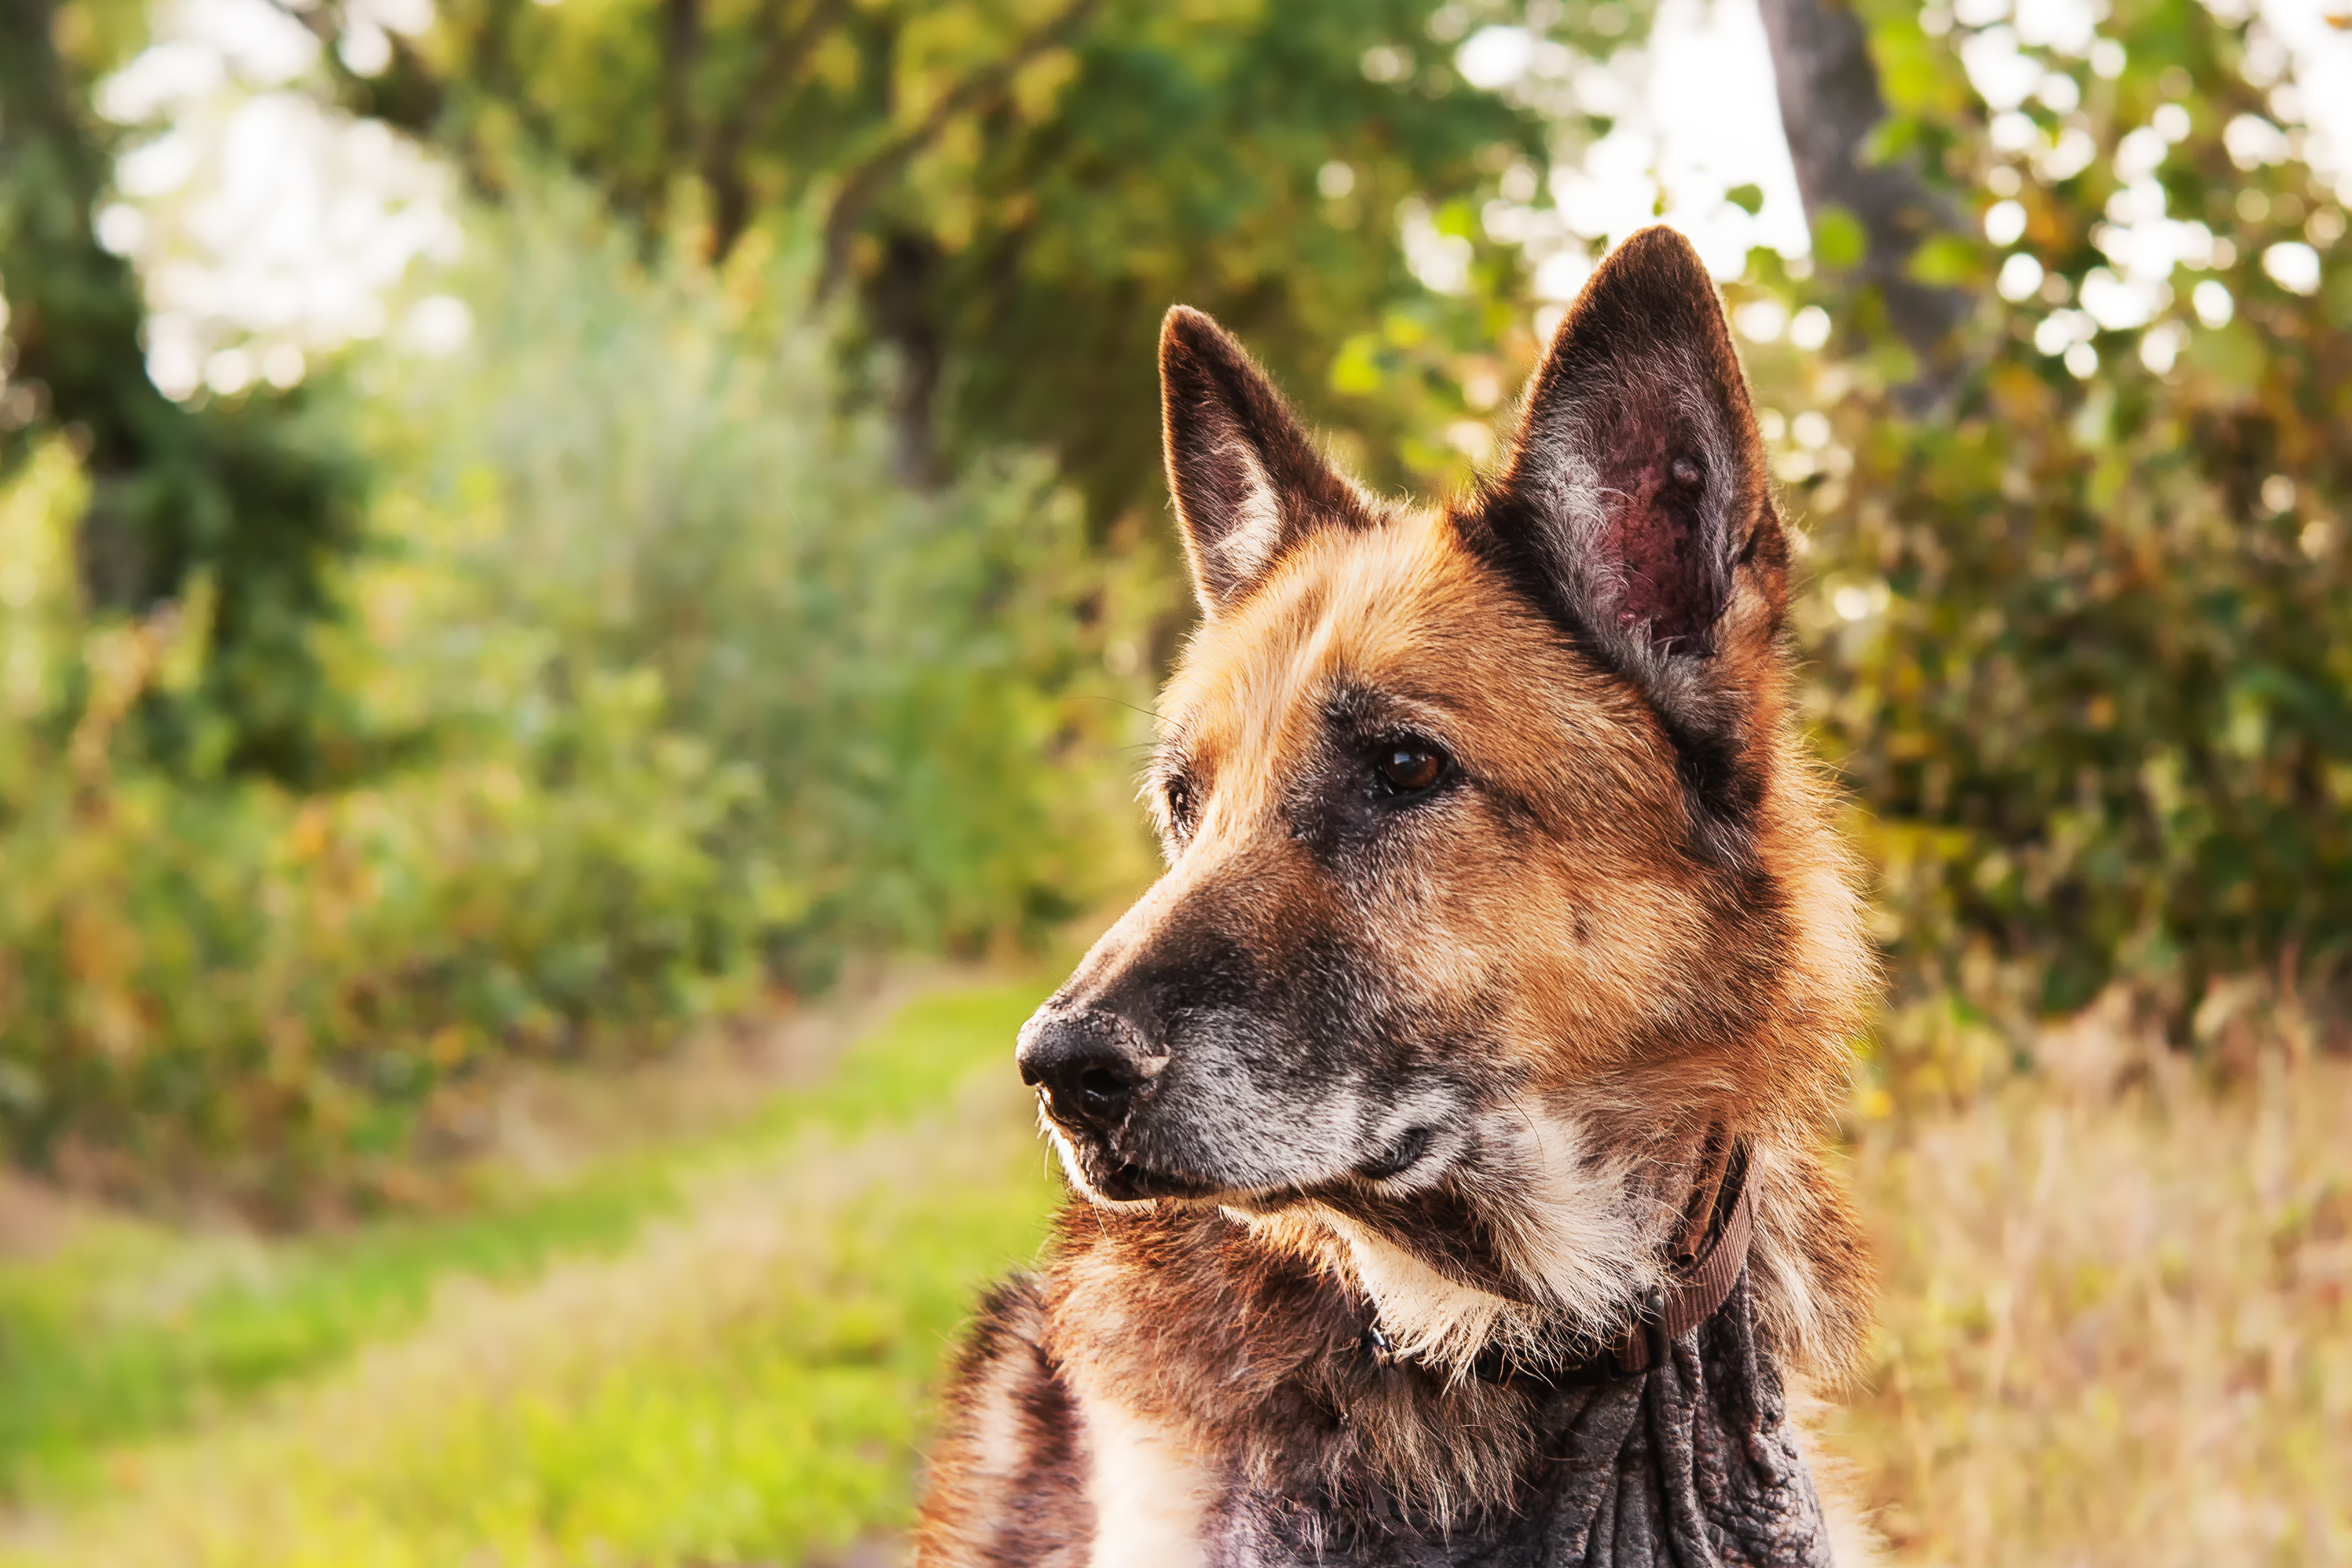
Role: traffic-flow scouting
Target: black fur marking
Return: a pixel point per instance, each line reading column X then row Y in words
column 1339, row 803
column 1398, row 1157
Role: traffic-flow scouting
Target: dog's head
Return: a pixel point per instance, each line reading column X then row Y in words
column 1493, row 866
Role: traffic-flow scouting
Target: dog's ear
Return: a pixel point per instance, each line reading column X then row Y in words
column 1635, row 506
column 1248, row 483
column 1636, row 489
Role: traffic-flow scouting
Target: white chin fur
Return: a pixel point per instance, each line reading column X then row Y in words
column 1077, row 1175
column 1263, row 1155
column 1581, row 1231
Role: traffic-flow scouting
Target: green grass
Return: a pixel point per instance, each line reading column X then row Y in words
column 131, row 1331
column 676, row 1408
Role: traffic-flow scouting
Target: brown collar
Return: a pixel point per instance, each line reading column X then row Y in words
column 1710, row 1253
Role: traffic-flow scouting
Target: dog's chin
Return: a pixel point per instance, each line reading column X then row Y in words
column 1105, row 1176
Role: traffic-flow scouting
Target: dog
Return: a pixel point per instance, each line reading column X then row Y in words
column 1445, row 1124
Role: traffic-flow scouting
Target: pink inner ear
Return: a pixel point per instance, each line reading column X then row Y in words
column 1655, row 532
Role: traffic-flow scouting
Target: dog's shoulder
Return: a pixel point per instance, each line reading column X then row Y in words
column 1007, row 1471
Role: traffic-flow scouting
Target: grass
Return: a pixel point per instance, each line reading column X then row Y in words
column 2115, row 1326
column 742, row 1378
column 132, row 1330
column 2117, row 1329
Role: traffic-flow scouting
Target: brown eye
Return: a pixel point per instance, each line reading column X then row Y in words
column 1409, row 769
column 1180, row 807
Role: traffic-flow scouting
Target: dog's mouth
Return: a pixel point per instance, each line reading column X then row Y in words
column 1128, row 1181
column 1117, row 1176
column 1411, row 1148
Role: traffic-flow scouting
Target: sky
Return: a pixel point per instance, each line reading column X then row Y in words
column 272, row 231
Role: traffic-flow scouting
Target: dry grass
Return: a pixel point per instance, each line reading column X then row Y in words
column 2114, row 1327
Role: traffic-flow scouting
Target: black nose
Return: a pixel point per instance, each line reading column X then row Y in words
column 1092, row 1065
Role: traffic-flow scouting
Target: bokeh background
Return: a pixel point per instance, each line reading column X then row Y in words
column 580, row 582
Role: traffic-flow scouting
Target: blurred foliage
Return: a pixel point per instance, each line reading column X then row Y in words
column 2081, row 633
column 1016, row 188
column 679, row 694
column 260, row 987
column 718, row 608
column 255, row 497
column 655, row 649
column 930, row 691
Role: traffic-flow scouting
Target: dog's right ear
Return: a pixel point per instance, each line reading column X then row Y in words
column 1248, row 484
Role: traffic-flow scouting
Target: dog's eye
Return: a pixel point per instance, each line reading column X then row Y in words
column 1407, row 768
column 1180, row 806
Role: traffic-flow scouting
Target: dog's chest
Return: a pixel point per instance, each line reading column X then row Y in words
column 1631, row 1482
column 1151, row 1490
column 1693, row 1465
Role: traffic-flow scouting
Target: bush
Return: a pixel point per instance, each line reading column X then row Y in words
column 2084, row 631
column 232, row 981
column 651, row 471
column 658, row 691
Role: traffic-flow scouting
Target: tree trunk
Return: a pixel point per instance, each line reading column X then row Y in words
column 75, row 312
column 232, row 488
column 1830, row 103
column 901, row 300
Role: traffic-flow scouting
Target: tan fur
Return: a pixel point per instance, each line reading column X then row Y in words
column 1145, row 1480
column 1617, row 1019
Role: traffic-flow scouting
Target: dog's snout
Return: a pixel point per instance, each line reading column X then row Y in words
column 1091, row 1064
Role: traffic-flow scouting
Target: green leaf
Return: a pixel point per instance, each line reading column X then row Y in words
column 1839, row 239
column 1949, row 260
column 1356, row 372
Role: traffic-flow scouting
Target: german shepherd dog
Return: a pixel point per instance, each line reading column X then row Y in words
column 1444, row 1124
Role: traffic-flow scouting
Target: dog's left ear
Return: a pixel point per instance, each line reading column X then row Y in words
column 1248, row 483
column 1635, row 506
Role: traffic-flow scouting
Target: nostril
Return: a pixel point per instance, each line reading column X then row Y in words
column 1104, row 1084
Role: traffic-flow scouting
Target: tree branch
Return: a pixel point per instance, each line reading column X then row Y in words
column 860, row 186
column 779, row 64
column 681, row 45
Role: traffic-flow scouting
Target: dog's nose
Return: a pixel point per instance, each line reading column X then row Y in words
column 1092, row 1065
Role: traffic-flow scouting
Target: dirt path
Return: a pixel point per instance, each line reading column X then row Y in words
column 780, row 1263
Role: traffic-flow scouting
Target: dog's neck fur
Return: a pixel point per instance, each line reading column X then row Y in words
column 1231, row 1342
column 1220, row 1324
column 1555, row 1287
